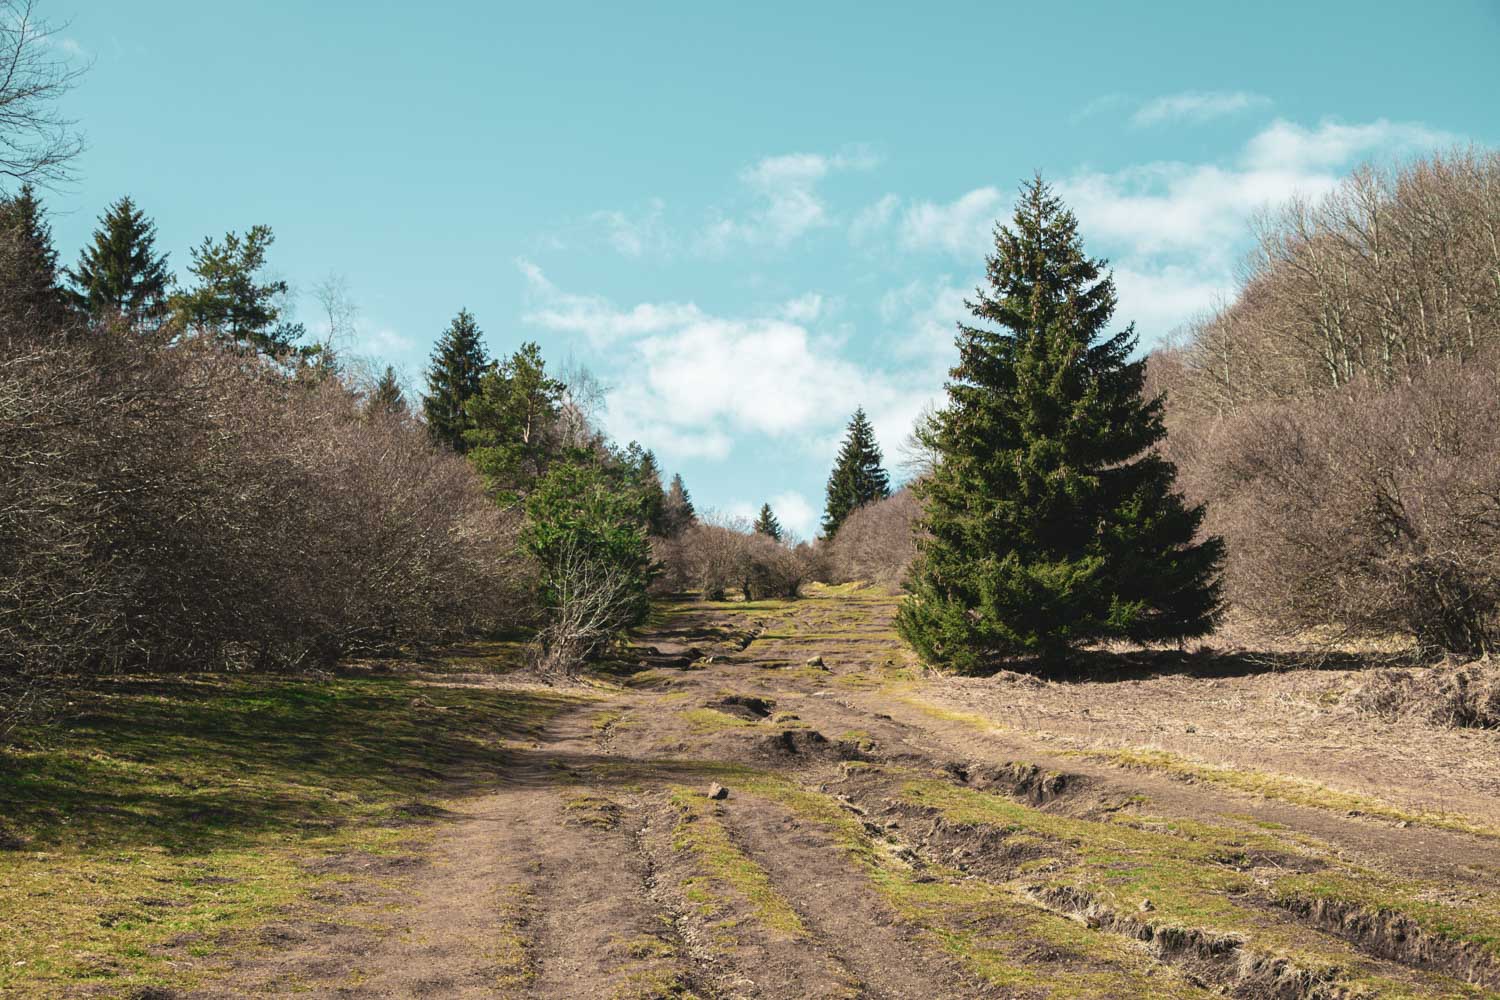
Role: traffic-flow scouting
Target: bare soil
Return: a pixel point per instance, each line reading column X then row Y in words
column 1180, row 829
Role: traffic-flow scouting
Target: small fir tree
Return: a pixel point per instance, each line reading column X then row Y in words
column 387, row 399
column 458, row 364
column 30, row 293
column 857, row 477
column 1050, row 519
column 679, row 514
column 120, row 275
column 766, row 523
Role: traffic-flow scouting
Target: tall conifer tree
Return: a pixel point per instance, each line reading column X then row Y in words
column 386, row 398
column 766, row 523
column 1050, row 519
column 30, row 292
column 458, row 365
column 857, row 477
column 679, row 513
column 120, row 274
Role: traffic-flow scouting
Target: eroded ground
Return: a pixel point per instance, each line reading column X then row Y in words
column 1186, row 831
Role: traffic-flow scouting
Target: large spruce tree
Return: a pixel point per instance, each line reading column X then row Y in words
column 120, row 274
column 232, row 300
column 857, row 477
column 458, row 365
column 1050, row 519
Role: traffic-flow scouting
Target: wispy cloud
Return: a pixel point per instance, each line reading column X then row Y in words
column 635, row 234
column 1197, row 106
column 789, row 203
column 550, row 308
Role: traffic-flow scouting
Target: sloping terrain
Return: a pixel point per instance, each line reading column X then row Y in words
column 769, row 800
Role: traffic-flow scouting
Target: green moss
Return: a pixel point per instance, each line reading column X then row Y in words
column 699, row 831
column 708, row 720
column 185, row 809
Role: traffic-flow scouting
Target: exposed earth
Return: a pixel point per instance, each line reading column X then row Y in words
column 771, row 800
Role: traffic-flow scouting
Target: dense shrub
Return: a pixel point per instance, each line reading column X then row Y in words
column 1375, row 511
column 876, row 542
column 717, row 557
column 192, row 506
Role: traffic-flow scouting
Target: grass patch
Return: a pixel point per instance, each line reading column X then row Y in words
column 709, row 720
column 186, row 808
column 584, row 809
column 698, row 830
column 1298, row 791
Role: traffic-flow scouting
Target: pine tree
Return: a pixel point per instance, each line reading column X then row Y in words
column 387, row 399
column 232, row 301
column 512, row 420
column 29, row 291
column 679, row 514
column 1050, row 519
column 766, row 523
column 857, row 477
column 453, row 379
column 120, row 275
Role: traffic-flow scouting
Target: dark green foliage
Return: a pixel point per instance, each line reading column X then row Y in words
column 588, row 537
column 1050, row 520
column 645, row 478
column 857, row 476
column 231, row 301
column 678, row 514
column 120, row 275
column 387, row 399
column 31, row 296
column 766, row 523
column 512, row 419
column 453, row 379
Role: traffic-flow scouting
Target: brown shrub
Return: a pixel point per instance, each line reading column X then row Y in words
column 717, row 556
column 1456, row 696
column 875, row 543
column 1375, row 511
column 193, row 507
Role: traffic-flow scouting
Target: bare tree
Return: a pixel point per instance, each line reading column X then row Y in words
column 37, row 142
column 593, row 597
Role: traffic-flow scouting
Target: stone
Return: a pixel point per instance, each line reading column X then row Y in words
column 717, row 791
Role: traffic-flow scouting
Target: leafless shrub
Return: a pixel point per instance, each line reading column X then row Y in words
column 188, row 507
column 1466, row 696
column 593, row 599
column 876, row 543
column 1375, row 511
column 34, row 74
column 717, row 556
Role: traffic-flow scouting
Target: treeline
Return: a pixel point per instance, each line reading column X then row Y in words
column 1341, row 416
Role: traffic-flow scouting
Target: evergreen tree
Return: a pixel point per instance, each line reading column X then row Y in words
column 653, row 496
column 386, row 398
column 766, row 523
column 232, row 301
column 512, row 421
column 120, row 275
column 1050, row 519
column 857, row 476
column 453, row 379
column 29, row 292
column 678, row 515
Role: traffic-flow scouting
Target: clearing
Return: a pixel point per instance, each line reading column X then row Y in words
column 1198, row 826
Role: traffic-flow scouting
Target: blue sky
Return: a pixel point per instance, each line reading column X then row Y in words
column 745, row 219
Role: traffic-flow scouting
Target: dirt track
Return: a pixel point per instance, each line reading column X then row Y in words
column 875, row 843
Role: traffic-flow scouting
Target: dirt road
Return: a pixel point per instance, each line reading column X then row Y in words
column 879, row 837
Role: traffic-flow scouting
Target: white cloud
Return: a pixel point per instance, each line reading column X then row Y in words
column 1197, row 106
column 804, row 308
column 789, row 202
column 594, row 317
column 961, row 227
column 1286, row 145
